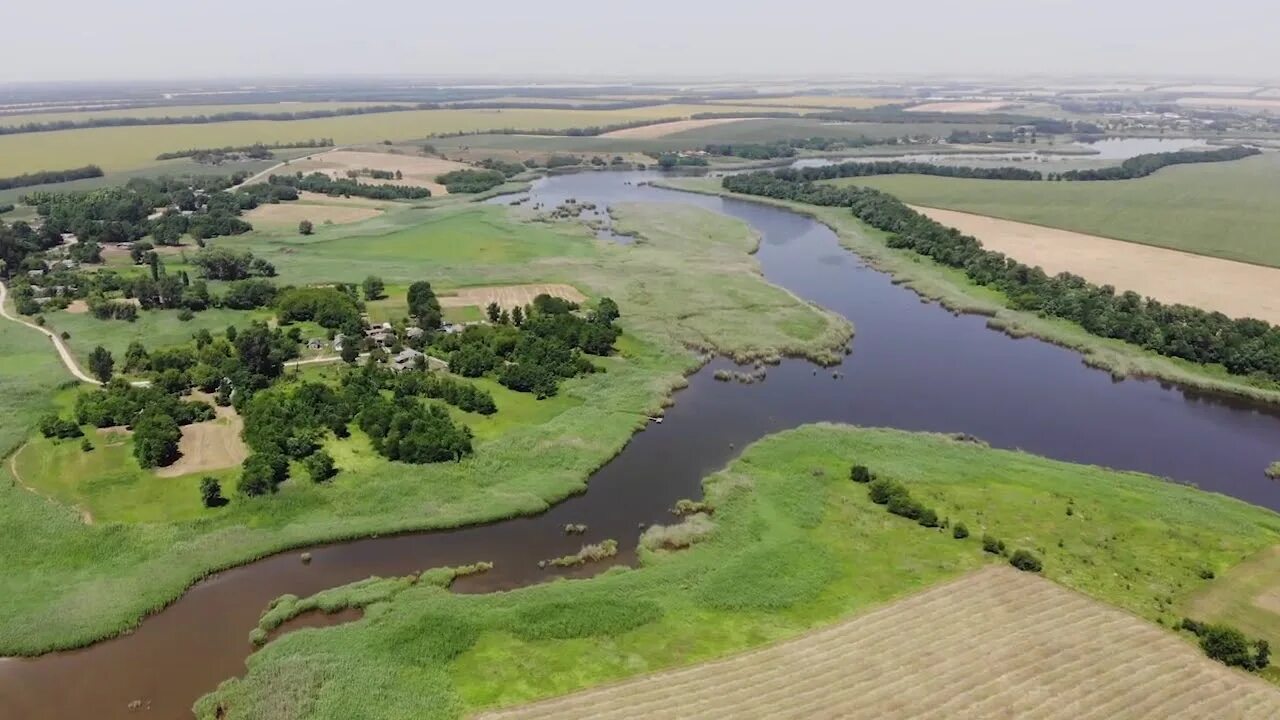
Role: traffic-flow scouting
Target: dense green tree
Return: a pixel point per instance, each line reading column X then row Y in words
column 320, row 466
column 155, row 439
column 424, row 305
column 374, row 289
column 493, row 312
column 101, row 364
column 211, row 492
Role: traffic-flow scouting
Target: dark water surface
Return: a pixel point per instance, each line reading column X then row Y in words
column 914, row 366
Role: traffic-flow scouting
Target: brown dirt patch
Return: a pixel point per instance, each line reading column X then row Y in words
column 648, row 132
column 210, row 445
column 416, row 169
column 291, row 213
column 960, row 106
column 508, row 296
column 80, row 307
column 1233, row 288
column 996, row 643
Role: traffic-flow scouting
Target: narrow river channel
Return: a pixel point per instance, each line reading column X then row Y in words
column 914, row 366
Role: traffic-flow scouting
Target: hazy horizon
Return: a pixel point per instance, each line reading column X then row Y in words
column 658, row 40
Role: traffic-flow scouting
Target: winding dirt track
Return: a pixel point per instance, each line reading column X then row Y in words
column 67, row 358
column 996, row 643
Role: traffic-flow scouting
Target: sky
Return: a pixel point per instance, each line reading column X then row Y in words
column 650, row 39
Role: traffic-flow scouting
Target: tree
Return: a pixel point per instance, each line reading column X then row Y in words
column 424, row 306
column 374, row 288
column 493, row 312
column 305, row 227
column 320, row 466
column 960, row 531
column 860, row 474
column 517, row 316
column 155, row 439
column 262, row 473
column 211, row 492
column 607, row 310
column 101, row 363
column 349, row 351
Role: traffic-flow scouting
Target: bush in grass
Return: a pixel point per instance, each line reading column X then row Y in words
column 860, row 474
column 320, row 466
column 881, row 490
column 992, row 545
column 211, row 492
column 902, row 504
column 86, row 445
column 928, row 517
column 53, row 426
column 1025, row 560
column 960, row 531
column 262, row 473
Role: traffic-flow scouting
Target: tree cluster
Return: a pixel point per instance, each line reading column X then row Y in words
column 1143, row 165
column 256, row 151
column 218, row 263
column 327, row 306
column 48, row 177
column 1229, row 646
column 897, row 500
column 1243, row 346
column 346, row 187
column 471, row 181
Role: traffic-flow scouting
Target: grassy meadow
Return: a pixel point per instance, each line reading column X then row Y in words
column 794, row 545
column 68, row 583
column 180, row 111
column 1225, row 209
column 124, row 148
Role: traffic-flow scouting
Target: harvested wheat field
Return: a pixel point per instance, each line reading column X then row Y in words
column 289, row 214
column 966, row 106
column 508, row 296
column 649, row 132
column 416, row 169
column 996, row 643
column 1233, row 288
column 210, row 445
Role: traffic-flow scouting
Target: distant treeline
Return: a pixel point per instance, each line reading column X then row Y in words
column 1135, row 167
column 202, row 119
column 1143, row 165
column 321, row 183
column 1243, row 346
column 254, row 150
column 47, row 177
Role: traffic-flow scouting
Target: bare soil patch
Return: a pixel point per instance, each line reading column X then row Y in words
column 965, row 106
column 995, row 643
column 416, row 169
column 508, row 296
column 648, row 132
column 210, row 445
column 1233, row 288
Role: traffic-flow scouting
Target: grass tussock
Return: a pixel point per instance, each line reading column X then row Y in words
column 693, row 528
column 588, row 553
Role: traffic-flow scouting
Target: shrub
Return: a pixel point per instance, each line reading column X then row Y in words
column 1229, row 646
column 52, row 426
column 1206, row 574
column 928, row 517
column 185, row 314
column 992, row 545
column 860, row 474
column 320, row 466
column 960, row 531
column 1273, row 470
column 211, row 492
column 882, row 490
column 1025, row 560
column 86, row 445
column 902, row 504
column 305, row 227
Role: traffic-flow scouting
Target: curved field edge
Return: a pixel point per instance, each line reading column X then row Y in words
column 795, row 546
column 954, row 291
column 69, row 585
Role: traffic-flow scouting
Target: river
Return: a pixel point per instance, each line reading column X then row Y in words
column 914, row 366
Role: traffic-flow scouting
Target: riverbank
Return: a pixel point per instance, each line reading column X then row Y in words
column 956, row 292
column 69, row 585
column 795, row 545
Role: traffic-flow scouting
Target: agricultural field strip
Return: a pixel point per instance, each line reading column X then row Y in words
column 1074, row 642
column 1233, row 288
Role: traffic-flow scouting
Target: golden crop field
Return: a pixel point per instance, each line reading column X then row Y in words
column 124, row 148
column 995, row 643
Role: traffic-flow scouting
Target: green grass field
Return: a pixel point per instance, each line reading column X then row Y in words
column 124, row 148
column 181, row 111
column 1226, row 209
column 67, row 583
column 795, row 545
